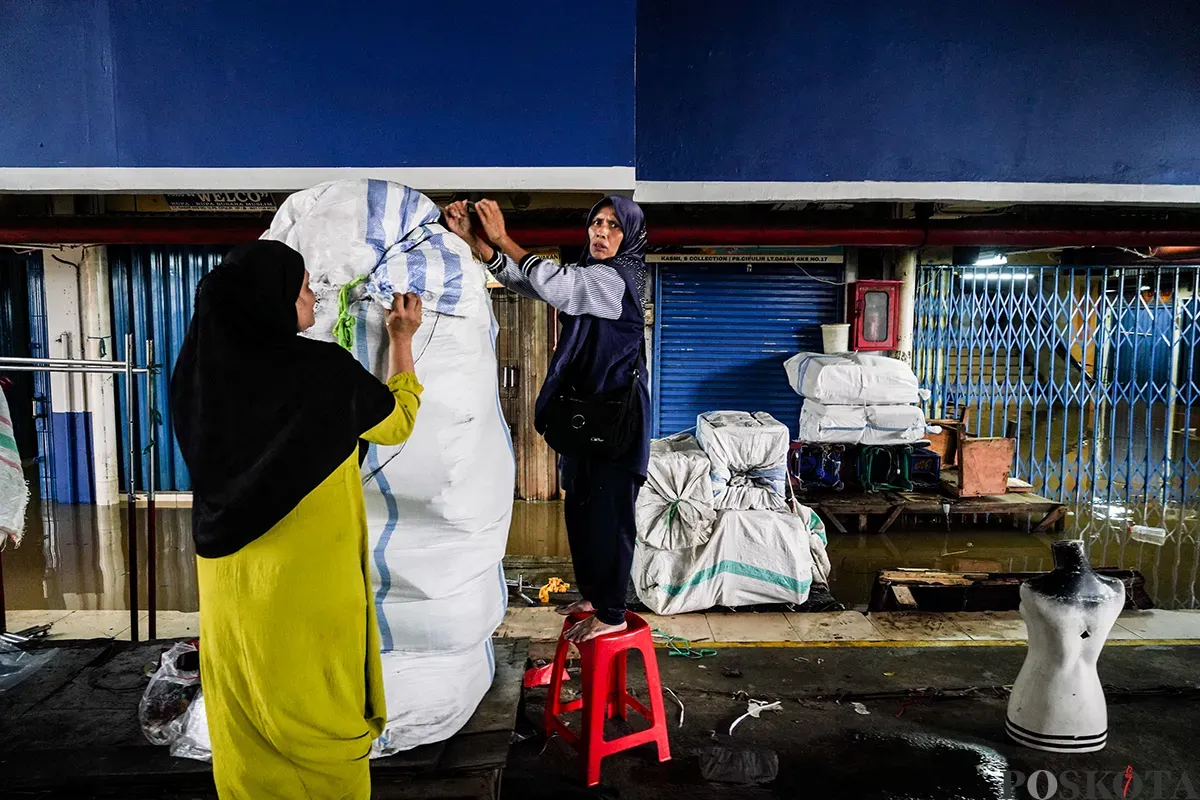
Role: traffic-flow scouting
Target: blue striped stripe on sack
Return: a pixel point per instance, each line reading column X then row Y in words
column 376, row 206
column 379, row 554
column 743, row 570
column 408, row 249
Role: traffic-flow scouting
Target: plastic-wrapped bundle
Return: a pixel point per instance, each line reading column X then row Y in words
column 171, row 711
column 749, row 459
column 853, row 379
column 438, row 506
column 675, row 506
column 829, row 424
column 752, row 557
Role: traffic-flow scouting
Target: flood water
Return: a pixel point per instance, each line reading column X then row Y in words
column 74, row 557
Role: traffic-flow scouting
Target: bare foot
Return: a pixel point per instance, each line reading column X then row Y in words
column 590, row 628
column 578, row 607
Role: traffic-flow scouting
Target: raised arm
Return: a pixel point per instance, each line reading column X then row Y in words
column 402, row 324
column 596, row 290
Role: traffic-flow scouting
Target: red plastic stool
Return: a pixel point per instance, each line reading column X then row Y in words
column 606, row 695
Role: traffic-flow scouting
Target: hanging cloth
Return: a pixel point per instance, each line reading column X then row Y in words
column 14, row 492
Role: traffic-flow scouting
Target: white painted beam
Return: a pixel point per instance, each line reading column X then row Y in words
column 166, row 180
column 902, row 191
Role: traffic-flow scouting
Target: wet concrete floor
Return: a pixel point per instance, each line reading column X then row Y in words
column 75, row 557
column 950, row 747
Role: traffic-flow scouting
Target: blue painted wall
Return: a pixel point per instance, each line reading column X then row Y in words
column 231, row 83
column 74, row 476
column 1105, row 91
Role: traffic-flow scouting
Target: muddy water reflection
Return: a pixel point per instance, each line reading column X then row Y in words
column 74, row 557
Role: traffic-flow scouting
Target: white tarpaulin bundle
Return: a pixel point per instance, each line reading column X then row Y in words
column 749, row 458
column 438, row 506
column 853, row 379
column 675, row 505
column 752, row 557
column 830, row 424
column 14, row 492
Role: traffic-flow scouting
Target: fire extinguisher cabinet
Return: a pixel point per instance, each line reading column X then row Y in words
column 874, row 315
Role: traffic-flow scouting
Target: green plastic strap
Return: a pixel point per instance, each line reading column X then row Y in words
column 343, row 329
column 679, row 646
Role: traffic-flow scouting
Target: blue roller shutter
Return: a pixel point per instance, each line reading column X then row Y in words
column 153, row 296
column 723, row 331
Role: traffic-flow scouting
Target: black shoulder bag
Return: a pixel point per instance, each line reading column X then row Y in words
column 601, row 426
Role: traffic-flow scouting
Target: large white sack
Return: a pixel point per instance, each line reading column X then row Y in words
column 853, row 379
column 830, row 424
column 675, row 505
column 438, row 506
column 749, row 458
column 752, row 557
column 818, row 541
column 348, row 229
column 437, row 679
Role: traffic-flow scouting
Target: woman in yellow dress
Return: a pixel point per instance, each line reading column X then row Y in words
column 270, row 425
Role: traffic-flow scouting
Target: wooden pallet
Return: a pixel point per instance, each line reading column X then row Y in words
column 1043, row 513
column 935, row 590
column 71, row 729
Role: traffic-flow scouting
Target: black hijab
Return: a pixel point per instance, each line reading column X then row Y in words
column 262, row 415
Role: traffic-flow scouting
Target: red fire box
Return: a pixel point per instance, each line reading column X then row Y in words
column 874, row 315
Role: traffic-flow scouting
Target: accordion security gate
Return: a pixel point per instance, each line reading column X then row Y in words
column 1094, row 371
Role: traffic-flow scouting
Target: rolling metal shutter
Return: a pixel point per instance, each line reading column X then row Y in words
column 153, row 295
column 722, row 332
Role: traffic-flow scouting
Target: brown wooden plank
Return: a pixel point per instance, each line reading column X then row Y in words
column 538, row 471
column 484, row 785
column 892, row 517
column 63, row 768
column 983, row 591
column 921, row 503
column 478, row 751
column 498, row 709
column 929, row 577
column 904, row 597
column 419, row 759
column 852, row 503
column 1050, row 519
column 1017, row 486
column 830, row 518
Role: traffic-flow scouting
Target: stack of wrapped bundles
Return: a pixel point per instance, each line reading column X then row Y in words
column 714, row 524
column 857, row 398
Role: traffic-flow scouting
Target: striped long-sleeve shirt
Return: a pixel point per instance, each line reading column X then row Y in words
column 595, row 290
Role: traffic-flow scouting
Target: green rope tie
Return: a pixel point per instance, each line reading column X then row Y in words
column 679, row 646
column 343, row 329
column 672, row 509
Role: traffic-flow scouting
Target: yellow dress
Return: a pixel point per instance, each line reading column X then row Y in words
column 289, row 646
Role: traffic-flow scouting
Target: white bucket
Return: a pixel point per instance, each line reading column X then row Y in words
column 836, row 337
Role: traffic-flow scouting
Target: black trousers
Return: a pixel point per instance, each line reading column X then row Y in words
column 601, row 531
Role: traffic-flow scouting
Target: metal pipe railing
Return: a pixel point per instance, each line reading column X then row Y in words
column 151, row 533
column 127, row 369
column 68, row 362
